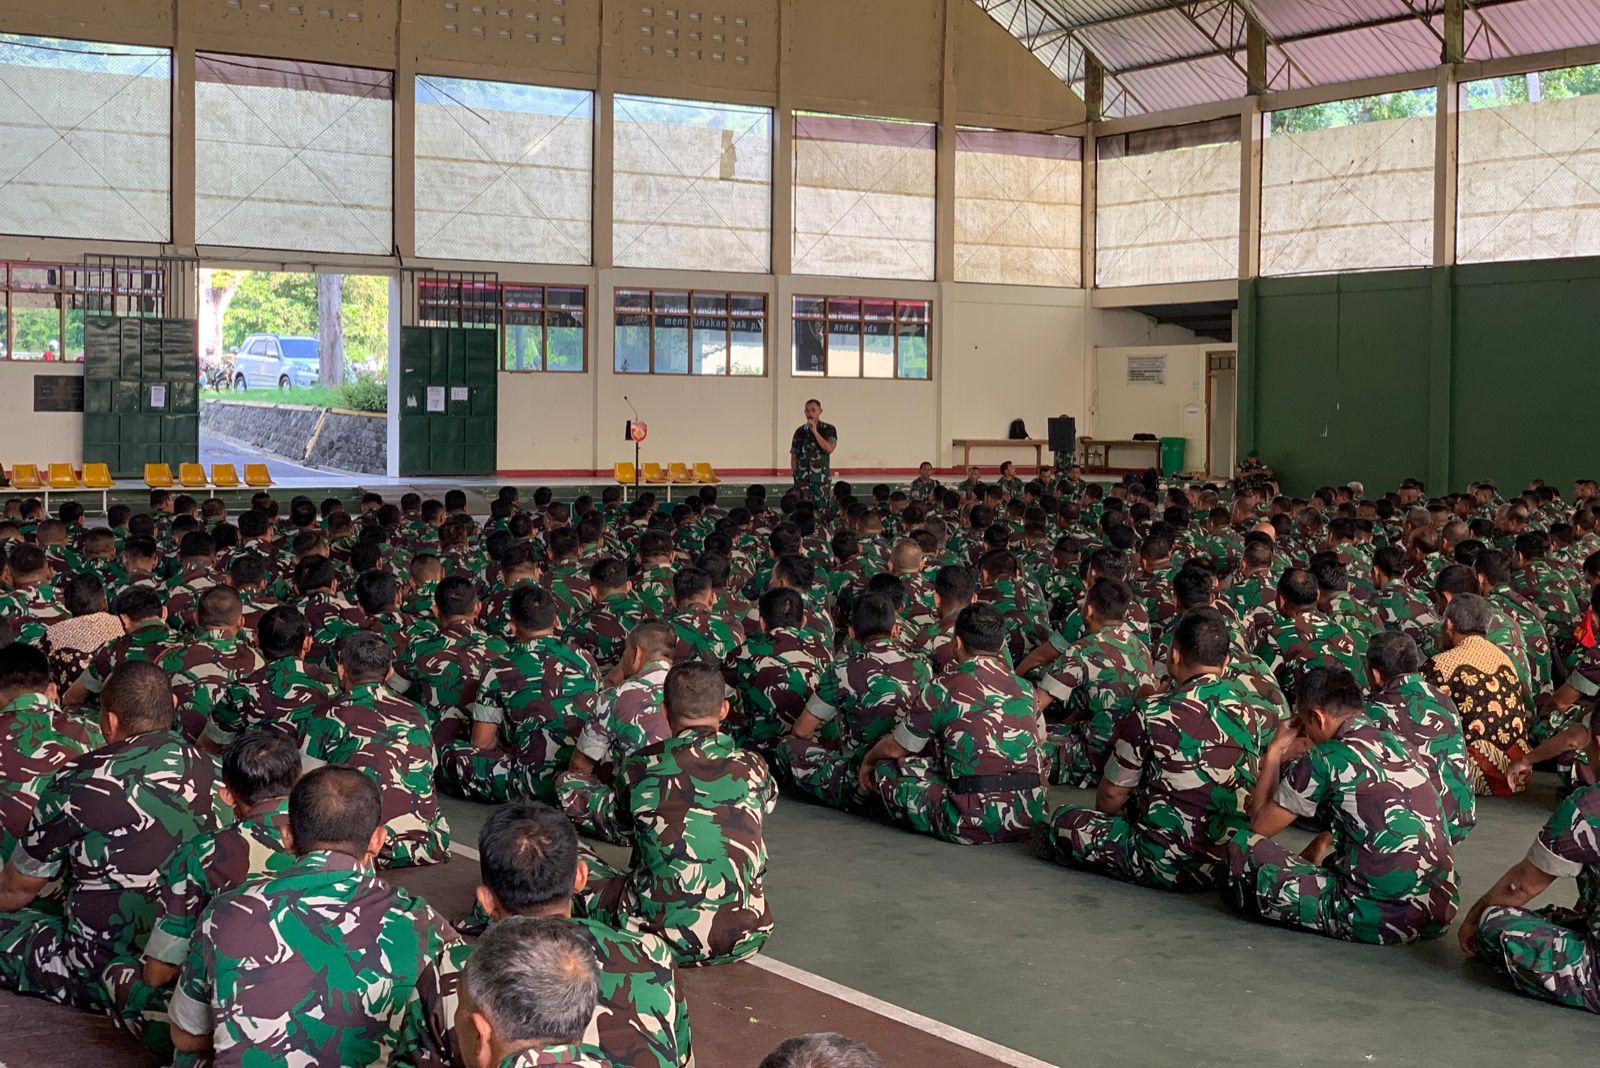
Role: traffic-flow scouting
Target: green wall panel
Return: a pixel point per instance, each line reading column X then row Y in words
column 461, row 439
column 123, row 359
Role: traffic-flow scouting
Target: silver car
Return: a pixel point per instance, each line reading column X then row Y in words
column 267, row 360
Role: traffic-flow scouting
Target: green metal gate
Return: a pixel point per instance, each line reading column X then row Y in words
column 141, row 401
column 448, row 398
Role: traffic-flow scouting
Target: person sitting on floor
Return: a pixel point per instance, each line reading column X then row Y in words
column 1382, row 870
column 1482, row 680
column 694, row 804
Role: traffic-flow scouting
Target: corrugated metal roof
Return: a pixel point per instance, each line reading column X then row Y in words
column 1161, row 54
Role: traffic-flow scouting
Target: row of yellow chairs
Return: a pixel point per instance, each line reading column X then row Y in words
column 673, row 474
column 193, row 476
column 61, row 477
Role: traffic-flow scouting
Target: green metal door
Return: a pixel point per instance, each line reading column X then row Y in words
column 141, row 396
column 448, row 400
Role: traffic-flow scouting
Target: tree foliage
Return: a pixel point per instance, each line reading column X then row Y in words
column 271, row 302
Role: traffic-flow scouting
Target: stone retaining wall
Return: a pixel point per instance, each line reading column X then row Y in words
column 317, row 437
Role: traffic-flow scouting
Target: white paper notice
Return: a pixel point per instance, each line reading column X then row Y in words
column 435, row 398
column 158, row 396
column 458, row 393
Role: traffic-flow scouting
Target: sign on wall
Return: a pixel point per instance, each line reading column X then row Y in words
column 1147, row 370
column 58, row 393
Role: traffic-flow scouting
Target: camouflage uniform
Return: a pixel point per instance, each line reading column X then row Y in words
column 442, row 672
column 811, row 463
column 984, row 780
column 772, row 675
column 640, row 1017
column 281, row 694
column 376, row 731
column 154, row 782
column 1391, row 875
column 317, row 964
column 494, row 611
column 626, row 719
column 1554, row 953
column 150, row 640
column 695, row 803
column 194, row 875
column 1098, row 681
column 703, row 635
column 1022, row 606
column 201, row 669
column 1399, row 607
column 653, row 588
column 1425, row 718
column 859, row 699
column 1189, row 757
column 536, row 696
column 1295, row 644
column 37, row 736
column 602, row 630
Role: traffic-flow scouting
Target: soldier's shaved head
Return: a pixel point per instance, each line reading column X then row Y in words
column 139, row 695
column 654, row 640
column 334, row 808
column 528, row 857
column 694, row 693
column 365, row 656
column 260, row 765
column 23, row 669
column 824, row 1050
column 980, row 629
column 220, row 606
column 533, row 981
column 906, row 558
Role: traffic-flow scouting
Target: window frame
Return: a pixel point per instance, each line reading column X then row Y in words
column 75, row 291
column 729, row 317
column 506, row 310
column 826, row 317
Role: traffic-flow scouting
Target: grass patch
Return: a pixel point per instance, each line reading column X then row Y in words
column 314, row 396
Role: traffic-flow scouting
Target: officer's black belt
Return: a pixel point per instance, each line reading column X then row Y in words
column 994, row 784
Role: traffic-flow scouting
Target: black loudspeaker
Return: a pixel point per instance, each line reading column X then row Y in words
column 1063, row 433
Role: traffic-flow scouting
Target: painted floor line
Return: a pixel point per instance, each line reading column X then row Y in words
column 458, row 849
column 954, row 1035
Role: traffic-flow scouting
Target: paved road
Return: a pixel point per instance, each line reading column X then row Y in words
column 215, row 450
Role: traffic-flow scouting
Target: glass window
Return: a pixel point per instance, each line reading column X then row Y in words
column 1348, row 185
column 723, row 334
column 692, row 188
column 1529, row 160
column 849, row 337
column 44, row 307
column 88, row 133
column 504, row 171
column 1167, row 207
column 549, row 340
column 863, row 197
column 1019, row 214
column 293, row 155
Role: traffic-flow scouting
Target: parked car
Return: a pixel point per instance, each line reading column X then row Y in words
column 266, row 360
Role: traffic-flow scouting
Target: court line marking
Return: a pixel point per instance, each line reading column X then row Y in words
column 954, row 1035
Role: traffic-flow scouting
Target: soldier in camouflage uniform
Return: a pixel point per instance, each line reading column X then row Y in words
column 376, row 731
column 1020, row 603
column 37, row 737
column 1097, row 682
column 1104, row 563
column 105, row 823
column 858, row 701
column 923, row 488
column 1180, row 768
column 702, row 634
column 653, row 584
column 206, row 664
column 810, row 451
column 1406, row 704
column 316, row 963
column 1302, row 637
column 1554, row 952
column 626, row 718
column 963, row 764
column 509, row 1022
column 1494, row 574
column 602, row 629
column 147, row 637
column 33, row 603
column 1399, row 606
column 694, row 804
column 1383, row 869
column 774, row 673
column 529, row 864
column 442, row 671
column 518, row 568
column 281, row 694
column 528, row 711
column 258, row 771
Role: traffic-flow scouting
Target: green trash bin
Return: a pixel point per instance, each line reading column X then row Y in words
column 1172, row 451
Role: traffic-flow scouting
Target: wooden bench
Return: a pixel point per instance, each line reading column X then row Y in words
column 966, row 445
column 1100, row 455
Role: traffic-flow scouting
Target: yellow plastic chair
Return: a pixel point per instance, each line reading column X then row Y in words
column 158, row 476
column 192, row 476
column 26, row 477
column 681, row 473
column 704, row 474
column 256, row 476
column 225, row 476
column 98, row 477
column 652, row 474
column 62, row 477
column 624, row 473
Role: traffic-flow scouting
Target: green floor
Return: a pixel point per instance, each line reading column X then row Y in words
column 1073, row 968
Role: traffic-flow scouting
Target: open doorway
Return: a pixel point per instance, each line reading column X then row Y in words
column 1221, row 412
column 294, row 371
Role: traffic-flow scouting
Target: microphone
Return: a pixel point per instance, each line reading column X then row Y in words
column 631, row 408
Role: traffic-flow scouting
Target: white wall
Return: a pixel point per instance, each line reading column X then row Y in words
column 36, row 437
column 1176, row 408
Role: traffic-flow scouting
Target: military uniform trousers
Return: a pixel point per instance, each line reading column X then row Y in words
column 1547, row 953
column 915, row 792
column 1116, row 846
